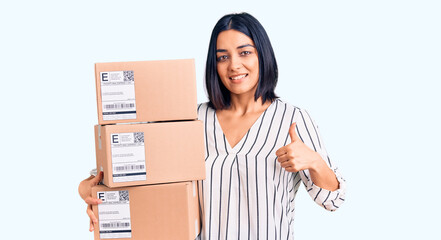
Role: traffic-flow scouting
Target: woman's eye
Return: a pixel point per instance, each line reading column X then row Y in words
column 222, row 58
column 245, row 53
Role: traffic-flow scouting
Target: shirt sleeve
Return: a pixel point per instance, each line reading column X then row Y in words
column 309, row 134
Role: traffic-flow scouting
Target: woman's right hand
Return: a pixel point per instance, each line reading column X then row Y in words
column 85, row 191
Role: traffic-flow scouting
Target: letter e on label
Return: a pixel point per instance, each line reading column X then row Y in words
column 104, row 77
column 115, row 138
column 101, row 196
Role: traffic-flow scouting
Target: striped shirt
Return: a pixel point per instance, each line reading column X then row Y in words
column 246, row 193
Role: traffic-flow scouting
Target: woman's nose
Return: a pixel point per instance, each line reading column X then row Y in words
column 235, row 62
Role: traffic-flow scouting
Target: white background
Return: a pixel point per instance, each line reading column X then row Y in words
column 367, row 71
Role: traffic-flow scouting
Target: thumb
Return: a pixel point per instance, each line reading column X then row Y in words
column 97, row 178
column 293, row 134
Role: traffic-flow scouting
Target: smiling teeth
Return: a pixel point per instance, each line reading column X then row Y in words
column 238, row 77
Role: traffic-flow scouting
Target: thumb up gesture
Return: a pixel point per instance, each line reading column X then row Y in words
column 296, row 156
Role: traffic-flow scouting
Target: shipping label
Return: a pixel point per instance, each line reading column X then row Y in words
column 114, row 214
column 128, row 157
column 118, row 95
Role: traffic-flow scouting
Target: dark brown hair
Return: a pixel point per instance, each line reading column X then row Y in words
column 218, row 94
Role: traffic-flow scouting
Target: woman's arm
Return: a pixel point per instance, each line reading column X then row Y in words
column 306, row 154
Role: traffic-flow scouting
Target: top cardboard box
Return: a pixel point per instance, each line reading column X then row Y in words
column 146, row 91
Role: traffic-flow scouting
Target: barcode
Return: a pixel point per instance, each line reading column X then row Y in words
column 119, row 106
column 129, row 168
column 123, row 195
column 115, row 225
column 139, row 137
column 128, row 76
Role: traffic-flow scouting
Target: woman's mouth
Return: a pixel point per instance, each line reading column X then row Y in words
column 238, row 78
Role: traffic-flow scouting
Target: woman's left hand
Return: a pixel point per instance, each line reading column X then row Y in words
column 296, row 156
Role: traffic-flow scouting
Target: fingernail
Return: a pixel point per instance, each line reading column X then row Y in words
column 100, row 201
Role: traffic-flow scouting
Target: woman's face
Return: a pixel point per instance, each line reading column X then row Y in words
column 237, row 62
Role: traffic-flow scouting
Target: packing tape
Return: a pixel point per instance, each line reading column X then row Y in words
column 99, row 137
column 196, row 227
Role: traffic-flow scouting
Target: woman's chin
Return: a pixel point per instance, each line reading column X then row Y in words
column 242, row 91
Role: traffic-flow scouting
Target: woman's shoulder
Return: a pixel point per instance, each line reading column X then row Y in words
column 298, row 113
column 204, row 106
column 288, row 105
column 203, row 109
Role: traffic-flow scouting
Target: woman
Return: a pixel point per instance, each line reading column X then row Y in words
column 258, row 147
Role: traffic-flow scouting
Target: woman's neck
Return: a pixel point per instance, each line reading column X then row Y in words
column 242, row 105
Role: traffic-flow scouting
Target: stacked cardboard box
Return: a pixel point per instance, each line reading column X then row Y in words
column 150, row 147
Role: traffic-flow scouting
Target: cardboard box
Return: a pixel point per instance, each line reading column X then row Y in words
column 164, row 211
column 150, row 153
column 146, row 91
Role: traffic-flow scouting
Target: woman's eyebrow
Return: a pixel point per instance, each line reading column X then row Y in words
column 246, row 45
column 241, row 46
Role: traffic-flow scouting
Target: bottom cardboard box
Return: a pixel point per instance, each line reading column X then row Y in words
column 163, row 211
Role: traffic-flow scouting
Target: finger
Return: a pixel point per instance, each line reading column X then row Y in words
column 97, row 178
column 290, row 169
column 293, row 134
column 286, row 164
column 281, row 151
column 91, row 228
column 92, row 201
column 91, row 215
column 283, row 158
